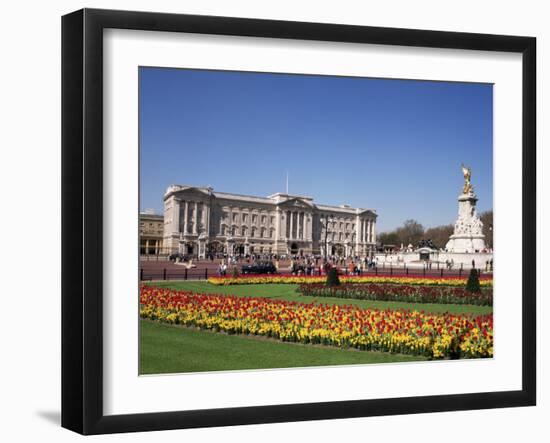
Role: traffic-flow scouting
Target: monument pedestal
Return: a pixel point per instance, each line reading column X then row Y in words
column 468, row 234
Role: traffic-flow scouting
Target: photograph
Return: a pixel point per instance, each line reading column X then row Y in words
column 292, row 221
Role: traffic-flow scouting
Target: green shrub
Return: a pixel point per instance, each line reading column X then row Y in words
column 332, row 277
column 473, row 281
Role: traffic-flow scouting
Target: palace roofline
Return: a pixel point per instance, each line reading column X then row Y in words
column 272, row 199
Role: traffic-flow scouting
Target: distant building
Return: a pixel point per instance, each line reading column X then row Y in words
column 151, row 233
column 199, row 221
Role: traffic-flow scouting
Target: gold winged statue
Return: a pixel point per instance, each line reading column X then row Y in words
column 467, row 173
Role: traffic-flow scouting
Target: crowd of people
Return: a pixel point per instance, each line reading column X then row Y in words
column 299, row 264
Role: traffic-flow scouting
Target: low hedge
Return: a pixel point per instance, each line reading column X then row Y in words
column 401, row 293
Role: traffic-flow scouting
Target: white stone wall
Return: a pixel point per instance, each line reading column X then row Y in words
column 412, row 259
column 280, row 224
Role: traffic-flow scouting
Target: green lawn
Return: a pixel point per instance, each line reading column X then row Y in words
column 288, row 292
column 168, row 349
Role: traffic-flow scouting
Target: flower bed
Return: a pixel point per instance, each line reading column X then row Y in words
column 397, row 331
column 294, row 279
column 401, row 293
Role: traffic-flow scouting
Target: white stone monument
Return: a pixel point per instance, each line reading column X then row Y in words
column 468, row 233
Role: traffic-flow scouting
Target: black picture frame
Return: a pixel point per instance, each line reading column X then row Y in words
column 82, row 190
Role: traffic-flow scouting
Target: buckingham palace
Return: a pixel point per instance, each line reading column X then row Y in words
column 199, row 221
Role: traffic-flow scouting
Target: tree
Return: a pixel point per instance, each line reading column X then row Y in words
column 411, row 232
column 332, row 277
column 389, row 238
column 487, row 219
column 473, row 281
column 439, row 235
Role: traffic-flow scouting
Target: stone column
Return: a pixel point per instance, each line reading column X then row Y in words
column 146, row 247
column 304, row 227
column 195, row 218
column 207, row 209
column 370, row 231
column 204, row 217
column 291, row 224
column 185, row 221
column 357, row 234
column 175, row 216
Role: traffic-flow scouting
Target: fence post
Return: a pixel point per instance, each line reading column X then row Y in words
column 460, row 272
column 376, row 270
column 185, row 275
column 206, row 273
column 141, row 274
column 406, row 271
column 164, row 274
column 441, row 272
column 391, row 270
column 424, row 271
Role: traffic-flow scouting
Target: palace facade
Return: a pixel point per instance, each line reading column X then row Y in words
column 199, row 221
column 151, row 233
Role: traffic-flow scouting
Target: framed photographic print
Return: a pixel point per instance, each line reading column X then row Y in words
column 269, row 221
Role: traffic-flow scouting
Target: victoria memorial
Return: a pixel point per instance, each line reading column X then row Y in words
column 199, row 221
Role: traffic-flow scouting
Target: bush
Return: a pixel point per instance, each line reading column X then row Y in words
column 332, row 277
column 473, row 281
column 400, row 293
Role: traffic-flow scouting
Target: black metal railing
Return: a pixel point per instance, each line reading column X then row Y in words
column 205, row 273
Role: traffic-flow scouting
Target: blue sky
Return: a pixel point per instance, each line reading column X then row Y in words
column 392, row 145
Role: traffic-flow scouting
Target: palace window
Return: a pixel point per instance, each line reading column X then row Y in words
column 245, row 218
column 254, row 218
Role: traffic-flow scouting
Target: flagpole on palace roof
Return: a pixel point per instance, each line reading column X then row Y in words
column 287, row 182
